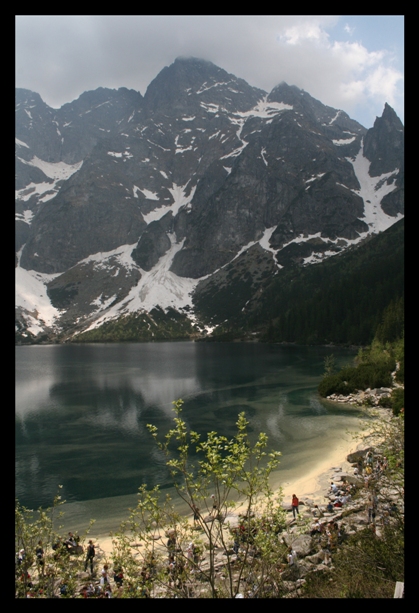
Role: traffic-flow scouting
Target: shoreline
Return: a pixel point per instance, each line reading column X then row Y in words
column 315, row 484
column 312, row 487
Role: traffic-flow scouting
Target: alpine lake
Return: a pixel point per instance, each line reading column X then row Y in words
column 82, row 412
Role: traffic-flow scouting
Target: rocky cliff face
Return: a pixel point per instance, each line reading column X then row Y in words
column 186, row 178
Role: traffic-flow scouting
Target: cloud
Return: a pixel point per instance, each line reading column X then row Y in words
column 340, row 73
column 305, row 32
column 61, row 56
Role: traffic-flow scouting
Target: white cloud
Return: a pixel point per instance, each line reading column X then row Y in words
column 61, row 56
column 305, row 31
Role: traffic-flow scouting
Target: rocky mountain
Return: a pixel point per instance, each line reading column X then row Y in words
column 125, row 203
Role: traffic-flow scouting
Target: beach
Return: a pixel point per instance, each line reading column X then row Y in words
column 311, row 484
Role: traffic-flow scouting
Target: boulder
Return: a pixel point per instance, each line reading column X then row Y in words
column 315, row 558
column 354, row 457
column 302, row 544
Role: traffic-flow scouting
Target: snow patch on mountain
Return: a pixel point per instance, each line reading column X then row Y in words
column 101, row 303
column 318, row 176
column 262, row 153
column 180, row 199
column 265, row 109
column 318, row 257
column 45, row 190
column 264, row 241
column 26, row 216
column 146, row 192
column 343, row 141
column 334, row 119
column 31, row 295
column 20, row 143
column 204, row 87
column 158, row 287
column 372, row 191
column 58, row 171
column 315, row 258
column 106, row 260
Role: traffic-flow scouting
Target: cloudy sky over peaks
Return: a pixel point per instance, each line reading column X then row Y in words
column 350, row 62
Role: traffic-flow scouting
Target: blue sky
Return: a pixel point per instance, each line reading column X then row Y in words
column 350, row 62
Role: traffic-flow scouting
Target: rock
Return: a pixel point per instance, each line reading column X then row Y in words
column 302, row 544
column 354, row 480
column 320, row 568
column 315, row 558
column 354, row 457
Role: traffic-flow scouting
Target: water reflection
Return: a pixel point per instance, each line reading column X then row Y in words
column 82, row 410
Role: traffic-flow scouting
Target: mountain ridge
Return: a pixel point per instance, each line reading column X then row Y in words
column 164, row 190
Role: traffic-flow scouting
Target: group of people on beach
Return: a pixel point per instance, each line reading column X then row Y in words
column 181, row 563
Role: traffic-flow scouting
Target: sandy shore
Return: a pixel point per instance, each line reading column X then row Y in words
column 313, row 485
column 316, row 482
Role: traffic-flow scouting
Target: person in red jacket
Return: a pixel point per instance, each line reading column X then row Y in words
column 295, row 502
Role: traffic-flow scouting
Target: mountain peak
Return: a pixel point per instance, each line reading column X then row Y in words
column 190, row 59
column 384, row 142
column 26, row 96
column 390, row 115
column 190, row 81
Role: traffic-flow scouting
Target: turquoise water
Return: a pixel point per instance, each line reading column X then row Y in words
column 82, row 411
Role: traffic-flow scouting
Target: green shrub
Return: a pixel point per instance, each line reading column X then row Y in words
column 374, row 367
column 397, row 400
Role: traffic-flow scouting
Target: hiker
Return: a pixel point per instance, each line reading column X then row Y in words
column 118, row 577
column 171, row 544
column 89, row 557
column 294, row 504
column 104, row 579
column 71, row 542
column 214, row 505
column 60, row 548
column 39, row 552
column 195, row 511
column 190, row 553
column 236, row 541
column 316, row 529
column 334, row 488
column 20, row 557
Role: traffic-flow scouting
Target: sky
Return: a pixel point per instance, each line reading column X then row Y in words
column 350, row 62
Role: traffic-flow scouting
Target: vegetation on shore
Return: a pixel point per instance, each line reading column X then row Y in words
column 367, row 565
column 379, row 365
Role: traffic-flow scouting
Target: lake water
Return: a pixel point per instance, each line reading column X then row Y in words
column 82, row 410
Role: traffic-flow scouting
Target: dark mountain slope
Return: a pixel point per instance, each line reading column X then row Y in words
column 338, row 301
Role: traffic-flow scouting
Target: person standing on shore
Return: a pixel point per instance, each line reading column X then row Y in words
column 171, row 545
column 195, row 511
column 294, row 504
column 89, row 557
column 214, row 506
column 40, row 561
